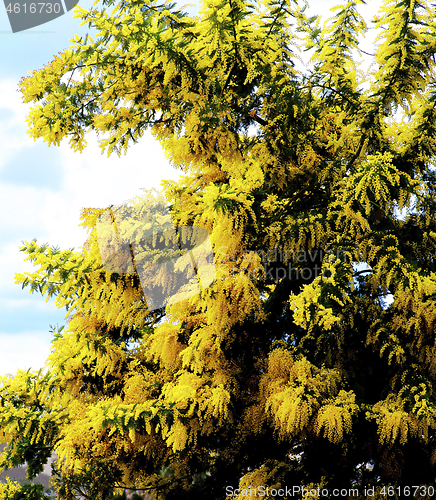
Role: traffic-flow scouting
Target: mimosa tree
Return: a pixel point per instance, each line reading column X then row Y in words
column 309, row 360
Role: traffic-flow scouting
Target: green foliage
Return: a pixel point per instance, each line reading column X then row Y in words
column 310, row 359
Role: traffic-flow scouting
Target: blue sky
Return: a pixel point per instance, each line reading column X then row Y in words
column 43, row 189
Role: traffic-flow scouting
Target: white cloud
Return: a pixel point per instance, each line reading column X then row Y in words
column 23, row 350
column 11, row 261
column 89, row 180
column 10, row 98
column 72, row 76
column 12, row 129
column 98, row 180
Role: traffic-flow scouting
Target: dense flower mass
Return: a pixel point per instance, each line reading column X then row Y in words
column 309, row 359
